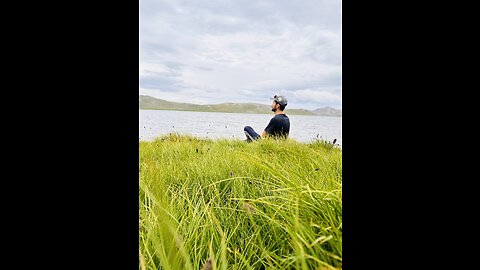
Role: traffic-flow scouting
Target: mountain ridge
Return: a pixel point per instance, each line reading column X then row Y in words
column 152, row 103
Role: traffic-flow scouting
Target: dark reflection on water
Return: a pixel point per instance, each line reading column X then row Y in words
column 303, row 128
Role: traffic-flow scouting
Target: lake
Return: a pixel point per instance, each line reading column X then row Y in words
column 212, row 125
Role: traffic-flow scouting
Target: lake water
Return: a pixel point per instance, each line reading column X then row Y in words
column 212, row 125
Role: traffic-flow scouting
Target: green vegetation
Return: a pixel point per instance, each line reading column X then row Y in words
column 228, row 204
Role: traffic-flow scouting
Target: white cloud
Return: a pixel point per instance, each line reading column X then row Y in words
column 249, row 50
column 318, row 95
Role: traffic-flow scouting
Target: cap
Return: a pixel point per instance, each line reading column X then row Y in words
column 282, row 100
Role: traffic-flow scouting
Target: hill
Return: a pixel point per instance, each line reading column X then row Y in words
column 151, row 103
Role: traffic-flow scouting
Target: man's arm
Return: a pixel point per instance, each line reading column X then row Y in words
column 269, row 127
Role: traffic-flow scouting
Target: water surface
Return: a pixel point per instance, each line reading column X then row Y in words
column 303, row 128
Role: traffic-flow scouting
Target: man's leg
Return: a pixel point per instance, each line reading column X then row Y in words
column 250, row 133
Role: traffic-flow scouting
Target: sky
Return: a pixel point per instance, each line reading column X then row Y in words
column 219, row 51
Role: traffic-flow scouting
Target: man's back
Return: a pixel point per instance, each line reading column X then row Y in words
column 279, row 126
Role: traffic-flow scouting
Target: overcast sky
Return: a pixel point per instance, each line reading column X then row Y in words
column 210, row 52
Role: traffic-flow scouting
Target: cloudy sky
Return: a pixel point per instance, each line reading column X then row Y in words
column 216, row 51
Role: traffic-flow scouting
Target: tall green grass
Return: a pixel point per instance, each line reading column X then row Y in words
column 228, row 204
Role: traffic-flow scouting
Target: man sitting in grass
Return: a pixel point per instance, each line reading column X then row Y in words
column 279, row 125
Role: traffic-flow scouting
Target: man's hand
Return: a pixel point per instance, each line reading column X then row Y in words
column 264, row 134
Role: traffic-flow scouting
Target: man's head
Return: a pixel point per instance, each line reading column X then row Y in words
column 279, row 103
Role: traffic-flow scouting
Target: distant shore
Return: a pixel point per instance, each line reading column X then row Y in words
column 151, row 103
column 289, row 112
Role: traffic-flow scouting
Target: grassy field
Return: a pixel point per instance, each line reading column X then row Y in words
column 228, row 204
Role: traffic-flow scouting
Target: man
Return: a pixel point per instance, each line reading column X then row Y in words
column 279, row 125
